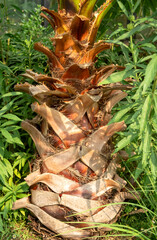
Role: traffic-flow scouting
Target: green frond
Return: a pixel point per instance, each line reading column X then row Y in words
column 87, row 8
column 102, row 11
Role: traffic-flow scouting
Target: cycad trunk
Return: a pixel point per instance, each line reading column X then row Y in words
column 74, row 174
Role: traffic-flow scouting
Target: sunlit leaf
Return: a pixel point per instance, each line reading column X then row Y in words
column 146, row 145
column 11, row 116
column 123, row 8
column 8, row 166
column 133, row 31
column 117, row 77
column 153, row 163
column 7, row 135
column 150, row 74
column 17, row 173
column 136, row 5
column 2, row 149
column 5, row 67
column 126, row 141
column 139, row 170
column 99, row 16
column 118, row 116
column 16, row 138
column 87, row 8
column 6, row 107
column 11, row 94
column 145, row 113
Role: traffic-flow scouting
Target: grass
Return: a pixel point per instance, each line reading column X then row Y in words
column 14, row 230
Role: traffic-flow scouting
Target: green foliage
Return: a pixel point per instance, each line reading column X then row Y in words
column 135, row 46
column 139, row 110
column 17, row 42
column 17, row 54
column 11, row 229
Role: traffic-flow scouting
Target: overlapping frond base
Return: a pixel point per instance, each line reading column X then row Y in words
column 73, row 182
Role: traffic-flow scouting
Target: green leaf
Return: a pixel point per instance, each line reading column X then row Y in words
column 150, row 74
column 136, row 5
column 125, row 52
column 117, row 77
column 153, row 163
column 7, row 123
column 22, row 187
column 6, row 198
column 121, row 5
column 6, row 107
column 21, row 195
column 154, row 122
column 118, row 116
column 155, row 103
column 5, row 67
column 1, row 224
column 102, row 11
column 12, row 128
column 125, row 141
column 7, row 135
column 145, row 58
column 138, row 170
column 17, row 173
column 12, row 117
column 133, row 31
column 146, row 146
column 8, row 167
column 149, row 47
column 145, row 113
column 12, row 94
column 16, row 138
column 87, row 8
column 2, row 149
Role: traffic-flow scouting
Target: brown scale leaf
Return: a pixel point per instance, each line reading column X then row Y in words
column 62, row 160
column 95, row 161
column 65, row 42
column 108, row 213
column 59, row 23
column 84, row 124
column 44, row 198
column 41, row 144
column 76, row 71
column 99, row 138
column 68, row 132
column 97, row 21
column 91, row 113
column 90, row 55
column 83, row 206
column 57, row 183
column 23, row 87
column 76, row 110
column 114, row 100
column 102, row 71
column 95, row 188
column 56, row 211
column 53, row 224
column 48, row 19
column 80, row 27
column 52, row 58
